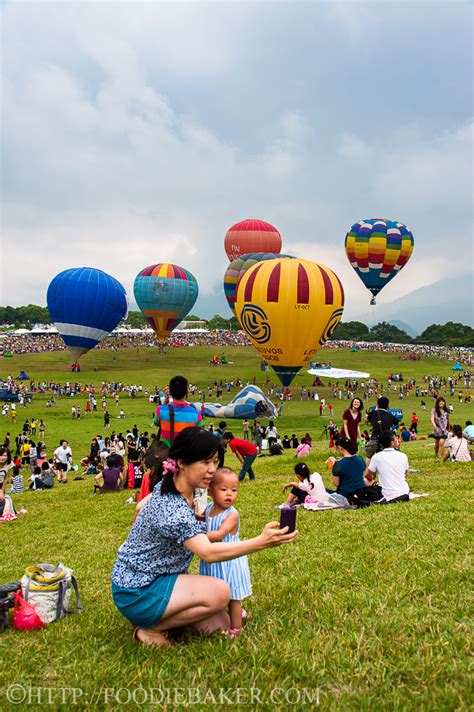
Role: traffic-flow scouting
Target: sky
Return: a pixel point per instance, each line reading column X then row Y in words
column 136, row 133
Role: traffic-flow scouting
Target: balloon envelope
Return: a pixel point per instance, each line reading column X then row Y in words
column 165, row 293
column 85, row 305
column 238, row 267
column 288, row 309
column 249, row 403
column 251, row 236
column 378, row 249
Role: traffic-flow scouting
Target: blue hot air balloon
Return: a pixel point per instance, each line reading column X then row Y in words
column 85, row 305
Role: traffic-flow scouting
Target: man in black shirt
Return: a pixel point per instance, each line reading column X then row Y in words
column 381, row 421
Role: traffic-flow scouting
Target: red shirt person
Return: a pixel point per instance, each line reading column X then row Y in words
column 245, row 451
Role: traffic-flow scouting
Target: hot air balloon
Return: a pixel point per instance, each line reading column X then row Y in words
column 288, row 309
column 378, row 249
column 251, row 236
column 238, row 267
column 85, row 304
column 165, row 293
column 250, row 402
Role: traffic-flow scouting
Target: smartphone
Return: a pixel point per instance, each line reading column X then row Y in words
column 288, row 518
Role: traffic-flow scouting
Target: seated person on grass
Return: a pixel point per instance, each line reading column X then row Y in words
column 391, row 467
column 110, row 477
column 457, row 449
column 308, row 489
column 468, row 432
column 42, row 478
column 348, row 472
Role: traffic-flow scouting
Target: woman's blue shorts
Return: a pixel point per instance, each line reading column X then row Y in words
column 145, row 606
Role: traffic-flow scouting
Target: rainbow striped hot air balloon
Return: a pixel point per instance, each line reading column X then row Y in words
column 85, row 304
column 165, row 293
column 289, row 308
column 238, row 267
column 251, row 236
column 378, row 249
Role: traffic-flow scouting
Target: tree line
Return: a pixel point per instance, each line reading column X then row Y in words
column 449, row 334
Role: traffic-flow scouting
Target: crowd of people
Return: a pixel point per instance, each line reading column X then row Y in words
column 38, row 342
column 171, row 474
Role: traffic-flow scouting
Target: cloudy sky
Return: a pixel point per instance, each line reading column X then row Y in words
column 135, row 133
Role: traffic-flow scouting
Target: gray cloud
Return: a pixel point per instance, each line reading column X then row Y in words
column 137, row 133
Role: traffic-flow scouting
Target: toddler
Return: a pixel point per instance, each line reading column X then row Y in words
column 17, row 481
column 309, row 490
column 223, row 524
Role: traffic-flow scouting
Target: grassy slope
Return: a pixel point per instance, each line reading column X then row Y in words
column 370, row 606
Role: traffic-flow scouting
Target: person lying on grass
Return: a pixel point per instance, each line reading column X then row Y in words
column 151, row 586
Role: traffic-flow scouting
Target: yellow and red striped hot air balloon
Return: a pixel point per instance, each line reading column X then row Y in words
column 289, row 308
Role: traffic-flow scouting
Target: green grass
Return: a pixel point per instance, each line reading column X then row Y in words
column 369, row 607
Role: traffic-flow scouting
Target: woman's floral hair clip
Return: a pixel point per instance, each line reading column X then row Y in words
column 169, row 465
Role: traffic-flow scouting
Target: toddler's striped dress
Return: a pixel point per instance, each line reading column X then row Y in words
column 235, row 573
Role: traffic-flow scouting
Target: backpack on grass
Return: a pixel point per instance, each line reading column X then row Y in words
column 365, row 496
column 48, row 589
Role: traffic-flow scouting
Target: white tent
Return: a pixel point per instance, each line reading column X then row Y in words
column 44, row 330
column 190, row 331
column 337, row 373
column 125, row 330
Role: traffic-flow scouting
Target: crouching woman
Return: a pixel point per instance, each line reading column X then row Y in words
column 151, row 586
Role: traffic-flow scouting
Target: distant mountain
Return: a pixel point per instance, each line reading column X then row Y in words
column 403, row 326
column 449, row 299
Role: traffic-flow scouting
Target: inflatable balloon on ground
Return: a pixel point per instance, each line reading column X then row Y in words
column 251, row 236
column 378, row 249
column 288, row 309
column 85, row 305
column 238, row 267
column 165, row 294
column 250, row 403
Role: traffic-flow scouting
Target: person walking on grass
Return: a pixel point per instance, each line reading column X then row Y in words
column 245, row 451
column 151, row 586
column 62, row 458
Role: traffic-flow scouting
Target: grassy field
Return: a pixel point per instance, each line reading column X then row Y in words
column 368, row 610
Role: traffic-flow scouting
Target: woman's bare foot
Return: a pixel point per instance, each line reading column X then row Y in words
column 146, row 636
